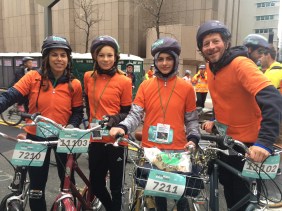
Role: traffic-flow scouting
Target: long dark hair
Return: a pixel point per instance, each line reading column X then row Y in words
column 46, row 69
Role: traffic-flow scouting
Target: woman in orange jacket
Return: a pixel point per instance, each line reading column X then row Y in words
column 200, row 81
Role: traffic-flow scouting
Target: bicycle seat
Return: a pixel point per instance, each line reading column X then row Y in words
column 138, row 135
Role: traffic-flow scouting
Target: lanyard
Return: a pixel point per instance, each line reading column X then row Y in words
column 96, row 105
column 164, row 109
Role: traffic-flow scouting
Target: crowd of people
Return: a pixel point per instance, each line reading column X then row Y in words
column 245, row 100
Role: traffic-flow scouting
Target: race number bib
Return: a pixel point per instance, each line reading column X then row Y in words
column 46, row 130
column 161, row 134
column 165, row 184
column 73, row 141
column 26, row 154
column 266, row 170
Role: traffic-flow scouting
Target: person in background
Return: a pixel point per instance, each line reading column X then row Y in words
column 150, row 73
column 25, row 67
column 187, row 76
column 130, row 73
column 238, row 90
column 201, row 86
column 53, row 92
column 273, row 71
column 257, row 45
column 108, row 92
column 169, row 102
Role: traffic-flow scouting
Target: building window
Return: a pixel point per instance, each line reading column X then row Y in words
column 263, row 31
column 266, row 4
column 264, row 17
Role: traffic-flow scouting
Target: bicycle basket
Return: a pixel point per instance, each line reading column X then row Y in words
column 194, row 183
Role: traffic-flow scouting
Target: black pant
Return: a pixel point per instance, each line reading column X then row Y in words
column 234, row 187
column 201, row 99
column 182, row 204
column 101, row 160
column 39, row 175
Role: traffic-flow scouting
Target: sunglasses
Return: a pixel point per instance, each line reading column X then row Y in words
column 262, row 51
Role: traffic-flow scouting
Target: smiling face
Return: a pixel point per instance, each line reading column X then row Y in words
column 165, row 63
column 58, row 61
column 213, row 47
column 106, row 58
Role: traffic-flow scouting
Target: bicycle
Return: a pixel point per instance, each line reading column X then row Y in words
column 23, row 157
column 71, row 140
column 140, row 193
column 12, row 115
column 207, row 159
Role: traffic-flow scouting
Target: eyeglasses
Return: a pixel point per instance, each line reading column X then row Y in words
column 262, row 51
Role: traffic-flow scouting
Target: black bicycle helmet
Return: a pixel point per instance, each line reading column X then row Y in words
column 27, row 58
column 212, row 26
column 51, row 42
column 255, row 40
column 104, row 40
column 165, row 44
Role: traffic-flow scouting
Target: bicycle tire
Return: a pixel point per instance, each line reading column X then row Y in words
column 96, row 205
column 14, row 205
column 11, row 117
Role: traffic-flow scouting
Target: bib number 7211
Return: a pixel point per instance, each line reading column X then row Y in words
column 165, row 184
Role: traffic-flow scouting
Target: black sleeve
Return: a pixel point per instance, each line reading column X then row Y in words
column 10, row 97
column 133, row 79
column 76, row 117
column 86, row 101
column 269, row 100
column 114, row 120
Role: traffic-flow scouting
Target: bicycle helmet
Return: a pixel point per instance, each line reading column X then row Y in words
column 104, row 40
column 26, row 58
column 51, row 42
column 212, row 26
column 202, row 66
column 188, row 72
column 255, row 40
column 130, row 64
column 165, row 44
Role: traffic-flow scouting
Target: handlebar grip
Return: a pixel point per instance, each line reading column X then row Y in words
column 29, row 116
column 217, row 139
column 119, row 135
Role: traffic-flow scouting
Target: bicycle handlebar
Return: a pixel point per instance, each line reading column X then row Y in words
column 120, row 138
column 36, row 117
column 28, row 140
column 225, row 141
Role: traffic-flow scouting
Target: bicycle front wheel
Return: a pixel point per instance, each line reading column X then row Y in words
column 11, row 117
column 11, row 205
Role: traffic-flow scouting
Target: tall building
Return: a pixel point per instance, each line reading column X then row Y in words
column 259, row 17
column 22, row 23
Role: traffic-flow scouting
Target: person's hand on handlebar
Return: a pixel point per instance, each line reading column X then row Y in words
column 207, row 126
column 190, row 146
column 116, row 130
column 258, row 154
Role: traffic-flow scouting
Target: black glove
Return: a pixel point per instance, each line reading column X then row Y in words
column 114, row 120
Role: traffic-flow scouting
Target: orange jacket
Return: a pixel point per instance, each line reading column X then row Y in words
column 200, row 83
